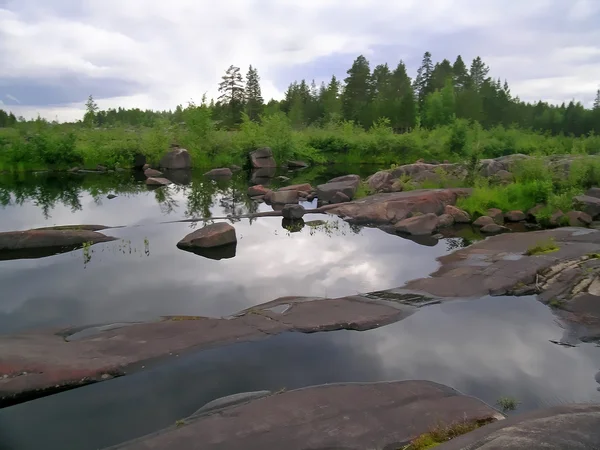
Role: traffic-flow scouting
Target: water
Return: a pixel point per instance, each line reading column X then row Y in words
column 488, row 348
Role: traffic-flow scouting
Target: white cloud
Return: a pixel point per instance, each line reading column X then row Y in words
column 14, row 99
column 169, row 52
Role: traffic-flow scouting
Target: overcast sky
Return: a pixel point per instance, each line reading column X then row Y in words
column 157, row 54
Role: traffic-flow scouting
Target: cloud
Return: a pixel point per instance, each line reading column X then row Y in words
column 14, row 99
column 166, row 53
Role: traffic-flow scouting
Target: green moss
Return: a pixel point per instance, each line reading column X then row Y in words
column 542, row 248
column 556, row 303
column 441, row 434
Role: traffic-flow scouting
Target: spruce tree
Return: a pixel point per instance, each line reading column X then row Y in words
column 254, row 100
column 478, row 73
column 232, row 94
column 441, row 72
column 356, row 98
column 461, row 75
column 597, row 100
column 422, row 84
column 332, row 103
column 91, row 108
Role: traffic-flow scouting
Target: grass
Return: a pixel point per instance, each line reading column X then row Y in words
column 362, row 191
column 507, row 403
column 444, row 433
column 543, row 248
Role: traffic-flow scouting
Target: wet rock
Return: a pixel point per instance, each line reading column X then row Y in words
column 262, row 158
column 459, row 215
column 420, row 225
column 483, row 221
column 494, row 228
column 257, row 190
column 293, row 212
column 381, row 181
column 588, row 204
column 305, row 187
column 357, row 416
column 282, row 197
column 157, row 181
column 347, row 185
column 496, row 215
column 152, row 173
column 515, row 216
column 579, row 219
column 297, row 164
column 139, row 161
column 445, row 221
column 101, row 168
column 213, row 235
column 339, row 197
column 221, row 173
column 111, row 196
column 176, row 159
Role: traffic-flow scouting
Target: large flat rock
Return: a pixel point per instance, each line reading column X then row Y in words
column 339, row 416
column 37, row 363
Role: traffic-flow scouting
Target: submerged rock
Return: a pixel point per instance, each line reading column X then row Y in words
column 214, row 235
column 262, row 158
column 176, row 159
column 419, row 225
column 111, row 196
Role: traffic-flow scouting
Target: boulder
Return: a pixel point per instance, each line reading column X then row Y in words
column 381, row 181
column 496, row 215
column 397, row 186
column 257, row 190
column 557, row 219
column 339, row 197
column 297, row 164
column 262, row 158
column 533, row 212
column 214, row 235
column 263, row 176
column 224, row 172
column 152, row 173
column 504, row 176
column 282, row 197
column 101, row 168
column 420, row 225
column 176, row 158
column 483, row 221
column 297, row 187
column 347, row 184
column 494, row 228
column 445, row 221
column 157, row 181
column 588, row 204
column 579, row 219
column 457, row 214
column 139, row 161
column 426, row 175
column 145, row 167
column 491, row 167
column 293, row 212
column 593, row 192
column 515, row 216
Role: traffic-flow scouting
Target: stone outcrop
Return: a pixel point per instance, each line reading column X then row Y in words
column 339, row 197
column 445, row 221
column 219, row 174
column 213, row 235
column 496, row 215
column 176, row 159
column 262, row 158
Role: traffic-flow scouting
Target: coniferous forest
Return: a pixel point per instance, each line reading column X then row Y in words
column 447, row 111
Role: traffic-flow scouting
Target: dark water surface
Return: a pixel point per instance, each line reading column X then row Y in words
column 488, row 348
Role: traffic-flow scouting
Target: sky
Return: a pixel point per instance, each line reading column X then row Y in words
column 156, row 54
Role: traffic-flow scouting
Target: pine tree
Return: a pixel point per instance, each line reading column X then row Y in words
column 402, row 107
column 332, row 103
column 597, row 100
column 478, row 73
column 254, row 100
column 357, row 94
column 91, row 108
column 422, row 84
column 382, row 92
column 232, row 94
column 441, row 72
column 461, row 75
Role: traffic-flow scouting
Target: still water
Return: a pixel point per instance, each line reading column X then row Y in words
column 489, row 348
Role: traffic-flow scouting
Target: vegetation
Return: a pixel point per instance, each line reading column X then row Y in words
column 556, row 303
column 447, row 112
column 441, row 434
column 507, row 403
column 542, row 248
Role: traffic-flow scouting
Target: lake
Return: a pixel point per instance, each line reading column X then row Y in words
column 491, row 347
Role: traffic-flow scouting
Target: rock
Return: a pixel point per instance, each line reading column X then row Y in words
column 297, row 164
column 420, row 225
column 259, row 189
column 504, row 176
column 445, row 221
column 347, row 184
column 588, row 204
column 176, row 158
column 139, row 161
column 297, row 187
column 579, row 219
column 593, row 192
column 152, row 173
column 381, row 181
column 426, row 175
column 74, row 169
column 227, row 251
column 224, row 172
column 214, row 235
column 533, row 212
column 181, row 177
column 483, row 221
column 119, row 169
column 494, row 228
column 263, row 176
column 145, row 167
column 557, row 219
column 397, row 186
column 339, row 197
column 101, row 168
column 282, row 197
column 235, row 168
column 412, row 170
column 496, row 215
column 262, row 158
column 356, row 416
column 515, row 216
column 292, row 225
column 111, row 196
column 293, row 212
column 157, row 181
column 491, row 167
column 458, row 215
